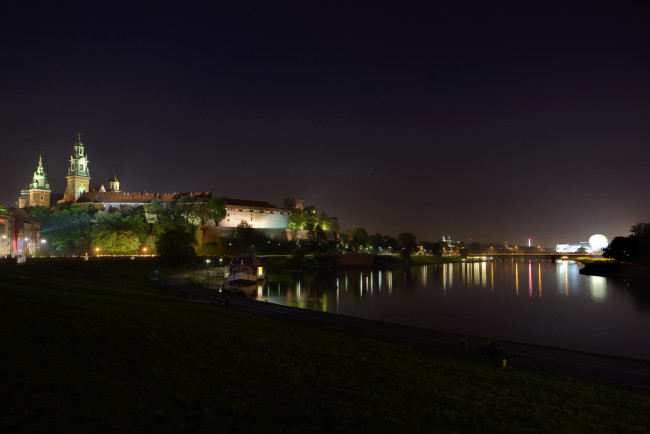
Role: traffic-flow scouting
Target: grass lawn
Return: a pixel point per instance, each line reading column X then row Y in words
column 97, row 347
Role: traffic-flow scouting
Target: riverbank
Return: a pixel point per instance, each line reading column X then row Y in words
column 93, row 346
column 615, row 269
column 308, row 262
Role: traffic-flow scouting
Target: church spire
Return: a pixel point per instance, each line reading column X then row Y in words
column 78, row 147
column 78, row 173
column 39, row 180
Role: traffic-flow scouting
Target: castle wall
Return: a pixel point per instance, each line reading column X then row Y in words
column 210, row 234
column 261, row 218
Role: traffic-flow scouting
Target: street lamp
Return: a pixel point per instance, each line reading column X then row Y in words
column 144, row 249
column 97, row 251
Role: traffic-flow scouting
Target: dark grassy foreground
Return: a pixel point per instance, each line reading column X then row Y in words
column 94, row 347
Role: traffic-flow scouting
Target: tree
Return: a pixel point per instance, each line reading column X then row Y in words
column 120, row 241
column 633, row 248
column 176, row 214
column 121, row 231
column 308, row 218
column 407, row 241
column 377, row 242
column 358, row 238
column 244, row 234
column 641, row 233
column 176, row 245
column 216, row 209
column 328, row 223
column 66, row 228
column 433, row 248
column 296, row 219
column 39, row 213
column 317, row 237
column 213, row 209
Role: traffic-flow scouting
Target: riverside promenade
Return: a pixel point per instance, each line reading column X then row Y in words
column 612, row 369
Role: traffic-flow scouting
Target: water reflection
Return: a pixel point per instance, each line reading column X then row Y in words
column 500, row 277
column 598, row 288
column 479, row 298
column 517, row 278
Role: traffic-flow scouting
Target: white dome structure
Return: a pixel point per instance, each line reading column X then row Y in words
column 598, row 242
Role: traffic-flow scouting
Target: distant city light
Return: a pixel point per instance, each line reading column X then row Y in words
column 598, row 242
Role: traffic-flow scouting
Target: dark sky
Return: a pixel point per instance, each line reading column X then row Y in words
column 501, row 122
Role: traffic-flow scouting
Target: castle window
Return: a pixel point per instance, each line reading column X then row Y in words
column 42, row 198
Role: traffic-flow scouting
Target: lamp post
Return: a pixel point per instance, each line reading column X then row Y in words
column 97, row 251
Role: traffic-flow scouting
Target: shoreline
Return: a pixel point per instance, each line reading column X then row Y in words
column 615, row 269
column 632, row 372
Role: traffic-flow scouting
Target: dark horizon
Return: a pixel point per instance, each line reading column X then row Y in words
column 502, row 123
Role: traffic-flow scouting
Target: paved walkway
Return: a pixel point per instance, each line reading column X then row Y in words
column 629, row 372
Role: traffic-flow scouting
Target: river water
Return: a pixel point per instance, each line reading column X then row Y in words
column 528, row 300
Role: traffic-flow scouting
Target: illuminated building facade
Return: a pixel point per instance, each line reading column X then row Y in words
column 19, row 234
column 574, row 248
column 78, row 173
column 38, row 191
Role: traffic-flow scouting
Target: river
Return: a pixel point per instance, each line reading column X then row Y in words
column 528, row 300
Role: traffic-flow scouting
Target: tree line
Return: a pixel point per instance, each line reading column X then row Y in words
column 634, row 249
column 169, row 229
column 172, row 231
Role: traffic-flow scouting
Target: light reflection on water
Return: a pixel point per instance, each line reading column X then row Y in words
column 539, row 301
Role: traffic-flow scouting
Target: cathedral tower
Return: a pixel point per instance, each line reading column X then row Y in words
column 78, row 174
column 113, row 183
column 38, row 192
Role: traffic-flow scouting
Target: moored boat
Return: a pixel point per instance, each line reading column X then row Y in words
column 246, row 268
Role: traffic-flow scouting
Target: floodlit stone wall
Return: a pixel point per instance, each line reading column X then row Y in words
column 258, row 218
column 210, row 234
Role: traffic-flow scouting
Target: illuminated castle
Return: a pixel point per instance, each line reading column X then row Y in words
column 257, row 214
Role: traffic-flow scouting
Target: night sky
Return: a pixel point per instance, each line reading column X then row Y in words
column 501, row 122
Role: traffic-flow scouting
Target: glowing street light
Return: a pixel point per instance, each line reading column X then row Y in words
column 97, row 251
